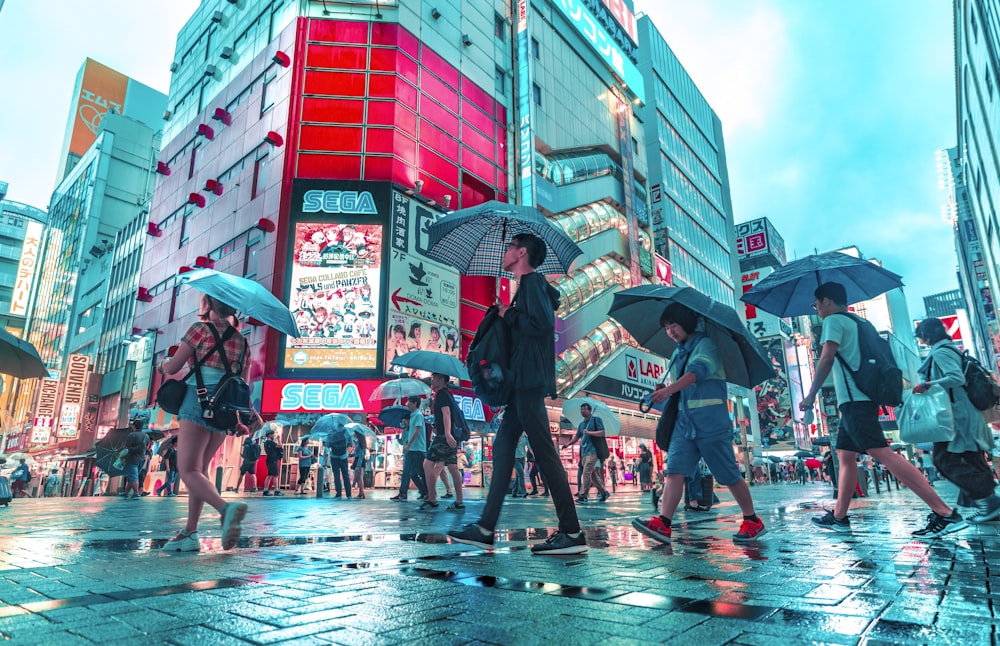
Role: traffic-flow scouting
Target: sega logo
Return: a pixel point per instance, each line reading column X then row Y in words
column 355, row 202
column 471, row 407
column 638, row 369
column 321, row 397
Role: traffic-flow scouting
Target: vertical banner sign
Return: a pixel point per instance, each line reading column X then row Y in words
column 45, row 412
column 26, row 269
column 625, row 145
column 423, row 294
column 525, row 101
column 336, row 274
column 74, row 395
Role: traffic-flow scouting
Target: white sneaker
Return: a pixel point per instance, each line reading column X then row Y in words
column 183, row 543
column 232, row 514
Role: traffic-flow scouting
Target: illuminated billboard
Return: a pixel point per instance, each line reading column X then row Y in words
column 336, row 268
column 74, row 395
column 26, row 267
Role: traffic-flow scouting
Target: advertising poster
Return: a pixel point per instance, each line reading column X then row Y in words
column 336, row 265
column 423, row 294
column 774, row 403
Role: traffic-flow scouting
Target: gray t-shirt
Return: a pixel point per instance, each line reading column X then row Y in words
column 843, row 331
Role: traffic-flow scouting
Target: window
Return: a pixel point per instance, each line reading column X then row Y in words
column 266, row 95
column 173, row 303
column 975, row 27
column 500, row 81
column 535, row 48
column 193, row 165
column 988, row 76
column 536, row 91
column 259, row 176
column 499, row 27
column 635, row 145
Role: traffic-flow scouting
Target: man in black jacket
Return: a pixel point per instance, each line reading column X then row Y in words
column 531, row 318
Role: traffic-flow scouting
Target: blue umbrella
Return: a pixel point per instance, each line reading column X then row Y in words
column 430, row 361
column 328, row 424
column 474, row 240
column 246, row 296
column 399, row 388
column 393, row 415
column 789, row 290
column 638, row 310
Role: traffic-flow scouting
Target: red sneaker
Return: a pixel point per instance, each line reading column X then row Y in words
column 749, row 530
column 653, row 528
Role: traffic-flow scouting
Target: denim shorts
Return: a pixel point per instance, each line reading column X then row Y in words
column 131, row 472
column 716, row 448
column 190, row 409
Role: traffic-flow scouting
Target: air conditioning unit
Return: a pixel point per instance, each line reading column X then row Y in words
column 216, row 16
column 226, row 53
column 210, row 70
column 173, row 67
column 167, row 115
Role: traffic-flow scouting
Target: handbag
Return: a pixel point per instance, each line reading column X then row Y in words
column 600, row 444
column 171, row 394
column 927, row 417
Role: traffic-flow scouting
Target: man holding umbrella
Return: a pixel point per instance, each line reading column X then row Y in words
column 531, row 318
column 860, row 431
column 703, row 429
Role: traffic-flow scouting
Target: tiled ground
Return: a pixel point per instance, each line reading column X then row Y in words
column 329, row 571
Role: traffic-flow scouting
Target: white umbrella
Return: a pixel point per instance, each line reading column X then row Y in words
column 360, row 428
column 275, row 426
column 571, row 411
column 398, row 389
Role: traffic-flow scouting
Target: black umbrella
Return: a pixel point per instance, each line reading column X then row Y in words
column 638, row 309
column 393, row 415
column 108, row 448
column 789, row 290
column 19, row 358
column 804, row 454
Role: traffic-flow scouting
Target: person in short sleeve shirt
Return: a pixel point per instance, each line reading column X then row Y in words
column 844, row 332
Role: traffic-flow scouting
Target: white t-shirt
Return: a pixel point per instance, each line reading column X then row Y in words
column 843, row 331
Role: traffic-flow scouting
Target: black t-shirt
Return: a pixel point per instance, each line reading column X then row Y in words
column 442, row 400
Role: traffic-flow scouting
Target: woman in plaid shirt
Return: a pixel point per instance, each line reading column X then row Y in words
column 198, row 438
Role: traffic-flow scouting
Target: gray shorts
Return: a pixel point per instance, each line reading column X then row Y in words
column 715, row 447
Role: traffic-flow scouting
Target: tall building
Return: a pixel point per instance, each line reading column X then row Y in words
column 944, row 303
column 976, row 164
column 98, row 92
column 689, row 179
column 21, row 228
column 310, row 144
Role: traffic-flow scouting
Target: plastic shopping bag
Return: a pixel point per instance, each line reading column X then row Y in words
column 926, row 417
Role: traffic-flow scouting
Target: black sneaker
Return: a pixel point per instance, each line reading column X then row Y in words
column 472, row 535
column 938, row 525
column 426, row 505
column 582, row 499
column 560, row 543
column 987, row 509
column 831, row 523
column 603, row 497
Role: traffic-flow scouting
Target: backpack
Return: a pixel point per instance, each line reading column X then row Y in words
column 488, row 360
column 600, row 444
column 459, row 425
column 337, row 441
column 983, row 391
column 274, row 452
column 252, row 452
column 230, row 404
column 878, row 376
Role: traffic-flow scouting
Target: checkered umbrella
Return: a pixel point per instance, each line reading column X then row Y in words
column 474, row 240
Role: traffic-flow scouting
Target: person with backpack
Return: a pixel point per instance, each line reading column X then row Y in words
column 135, row 458
column 590, row 428
column 338, row 448
column 530, row 319
column 962, row 461
column 360, row 463
column 443, row 449
column 860, row 431
column 20, row 478
column 169, row 460
column 249, row 453
column 273, row 452
column 217, row 351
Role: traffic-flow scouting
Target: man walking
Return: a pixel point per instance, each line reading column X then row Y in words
column 444, row 446
column 860, row 431
column 531, row 318
column 414, row 446
column 169, row 460
column 273, row 452
column 250, row 453
column 520, row 457
column 338, row 447
column 591, row 426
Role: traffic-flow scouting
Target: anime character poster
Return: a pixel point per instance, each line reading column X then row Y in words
column 774, row 404
column 334, row 295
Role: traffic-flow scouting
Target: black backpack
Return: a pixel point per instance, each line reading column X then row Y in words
column 252, row 452
column 273, row 450
column 878, row 376
column 337, row 442
column 983, row 391
column 230, row 404
column 459, row 425
column 488, row 360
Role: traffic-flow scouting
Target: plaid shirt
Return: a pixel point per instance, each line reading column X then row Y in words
column 199, row 337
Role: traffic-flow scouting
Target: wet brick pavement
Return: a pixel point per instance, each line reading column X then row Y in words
column 316, row 571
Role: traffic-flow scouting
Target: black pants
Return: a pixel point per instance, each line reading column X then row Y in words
column 413, row 469
column 526, row 414
column 341, row 473
column 968, row 471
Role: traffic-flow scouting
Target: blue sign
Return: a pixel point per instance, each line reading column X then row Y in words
column 594, row 33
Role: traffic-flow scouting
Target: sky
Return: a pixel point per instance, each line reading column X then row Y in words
column 832, row 114
column 832, row 111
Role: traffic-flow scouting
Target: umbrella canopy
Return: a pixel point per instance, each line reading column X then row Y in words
column 925, row 446
column 822, row 441
column 430, row 361
column 247, row 296
column 803, row 454
column 758, row 462
column 398, row 389
column 107, row 450
column 774, row 458
column 571, row 410
column 270, row 426
column 638, row 309
column 19, row 358
column 474, row 240
column 393, row 415
column 789, row 290
column 328, row 424
column 355, row 427
column 813, row 463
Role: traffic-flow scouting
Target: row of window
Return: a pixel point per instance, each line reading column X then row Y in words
column 684, row 227
column 690, row 162
column 690, row 271
column 689, row 130
column 690, row 197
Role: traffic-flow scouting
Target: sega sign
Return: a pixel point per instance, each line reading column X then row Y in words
column 471, row 407
column 352, row 202
column 299, row 396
